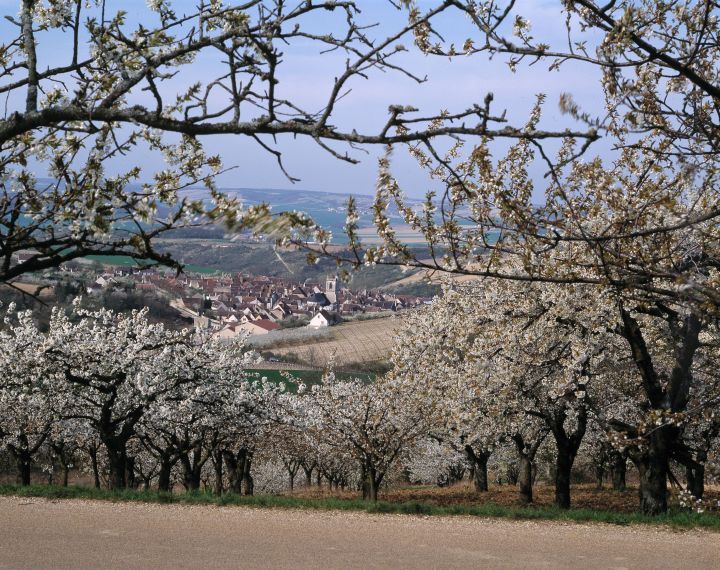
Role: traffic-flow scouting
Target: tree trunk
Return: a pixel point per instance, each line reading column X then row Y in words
column 525, row 480
column 23, row 466
column 191, row 479
column 164, row 474
column 234, row 473
column 117, row 459
column 192, row 460
column 218, row 464
column 696, row 480
column 372, row 491
column 191, row 473
column 92, row 452
column 653, row 469
column 512, row 473
column 480, row 474
column 308, row 475
column 526, row 456
column 248, row 483
column 599, row 476
column 566, row 446
column 374, row 480
column 130, row 472
column 563, row 469
column 23, row 461
column 479, row 462
column 618, row 469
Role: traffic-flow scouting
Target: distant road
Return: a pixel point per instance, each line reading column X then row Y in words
column 41, row 534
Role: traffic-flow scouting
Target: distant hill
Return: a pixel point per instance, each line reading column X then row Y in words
column 329, row 209
column 261, row 259
column 326, row 208
column 208, row 247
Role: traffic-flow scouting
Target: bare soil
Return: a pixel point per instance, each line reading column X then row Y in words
column 584, row 496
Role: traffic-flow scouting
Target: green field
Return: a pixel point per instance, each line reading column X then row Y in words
column 127, row 261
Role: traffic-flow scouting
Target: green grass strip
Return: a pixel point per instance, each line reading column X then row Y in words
column 674, row 519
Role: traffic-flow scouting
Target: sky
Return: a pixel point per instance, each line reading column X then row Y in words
column 307, row 78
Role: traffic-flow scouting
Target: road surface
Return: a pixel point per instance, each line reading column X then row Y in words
column 39, row 534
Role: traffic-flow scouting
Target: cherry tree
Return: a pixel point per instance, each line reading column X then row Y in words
column 432, row 354
column 550, row 353
column 248, row 419
column 637, row 220
column 375, row 423
column 499, row 354
column 112, row 368
column 433, row 461
column 219, row 418
column 26, row 407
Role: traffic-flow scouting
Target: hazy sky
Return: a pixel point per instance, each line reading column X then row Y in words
column 307, row 76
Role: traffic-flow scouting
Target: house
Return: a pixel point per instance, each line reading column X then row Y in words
column 23, row 257
column 229, row 331
column 94, row 288
column 104, row 281
column 261, row 326
column 332, row 288
column 324, row 319
column 318, row 300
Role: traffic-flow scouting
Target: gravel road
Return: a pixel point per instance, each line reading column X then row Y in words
column 39, row 534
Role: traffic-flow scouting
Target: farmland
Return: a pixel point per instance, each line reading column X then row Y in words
column 353, row 344
column 127, row 261
column 33, row 289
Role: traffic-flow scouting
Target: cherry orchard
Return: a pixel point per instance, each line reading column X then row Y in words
column 490, row 379
column 513, row 362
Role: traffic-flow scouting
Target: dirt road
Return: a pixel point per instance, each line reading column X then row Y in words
column 39, row 534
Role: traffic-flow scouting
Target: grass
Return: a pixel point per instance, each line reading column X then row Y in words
column 675, row 519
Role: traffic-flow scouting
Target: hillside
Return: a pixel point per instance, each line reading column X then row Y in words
column 260, row 259
column 356, row 345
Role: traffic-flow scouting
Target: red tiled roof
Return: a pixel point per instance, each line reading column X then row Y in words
column 266, row 324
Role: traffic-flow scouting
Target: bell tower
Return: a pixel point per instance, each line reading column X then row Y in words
column 332, row 291
column 332, row 284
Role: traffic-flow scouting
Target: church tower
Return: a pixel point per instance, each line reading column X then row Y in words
column 332, row 285
column 332, row 291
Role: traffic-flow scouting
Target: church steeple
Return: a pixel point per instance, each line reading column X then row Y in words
column 332, row 284
column 332, row 291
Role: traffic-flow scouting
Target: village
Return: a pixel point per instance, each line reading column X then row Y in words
column 230, row 305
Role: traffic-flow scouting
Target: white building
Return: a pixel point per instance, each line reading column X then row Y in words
column 324, row 319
